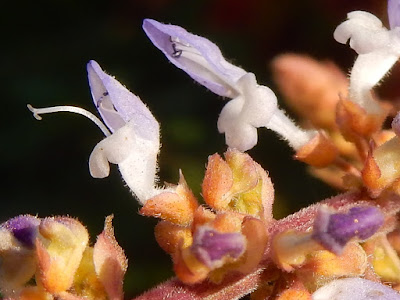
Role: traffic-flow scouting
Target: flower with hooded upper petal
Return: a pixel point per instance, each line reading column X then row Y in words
column 378, row 49
column 252, row 105
column 135, row 141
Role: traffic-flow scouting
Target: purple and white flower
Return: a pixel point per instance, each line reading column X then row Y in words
column 378, row 50
column 134, row 140
column 252, row 105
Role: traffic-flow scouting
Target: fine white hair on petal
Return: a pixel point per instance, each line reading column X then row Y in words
column 256, row 106
column 113, row 149
column 358, row 29
column 117, row 105
column 355, row 289
column 378, row 50
column 241, row 116
column 135, row 156
column 252, row 105
column 135, row 142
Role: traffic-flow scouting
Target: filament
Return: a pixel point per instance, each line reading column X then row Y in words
column 72, row 109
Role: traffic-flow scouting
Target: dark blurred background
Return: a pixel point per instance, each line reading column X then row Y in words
column 45, row 46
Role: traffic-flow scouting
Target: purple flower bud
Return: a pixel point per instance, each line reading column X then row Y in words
column 117, row 105
column 24, row 229
column 212, row 247
column 393, row 8
column 197, row 56
column 333, row 231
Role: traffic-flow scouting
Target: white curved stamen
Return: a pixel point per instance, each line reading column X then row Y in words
column 72, row 109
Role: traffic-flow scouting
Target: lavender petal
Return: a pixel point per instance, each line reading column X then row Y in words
column 206, row 64
column 333, row 231
column 393, row 8
column 23, row 228
column 211, row 246
column 117, row 105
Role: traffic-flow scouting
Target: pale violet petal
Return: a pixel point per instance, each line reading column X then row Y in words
column 197, row 56
column 355, row 289
column 117, row 105
column 393, row 8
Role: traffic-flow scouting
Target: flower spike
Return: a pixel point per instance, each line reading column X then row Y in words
column 252, row 106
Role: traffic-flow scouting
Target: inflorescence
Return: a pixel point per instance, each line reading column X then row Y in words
column 344, row 247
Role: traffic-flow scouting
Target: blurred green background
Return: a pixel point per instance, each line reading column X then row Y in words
column 44, row 50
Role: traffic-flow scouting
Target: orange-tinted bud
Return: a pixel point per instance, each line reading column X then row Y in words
column 383, row 258
column 292, row 288
column 354, row 121
column 171, row 236
column 59, row 252
column 257, row 237
column 382, row 167
column 318, row 152
column 310, row 87
column 290, row 249
column 86, row 282
column 34, row 293
column 176, row 206
column 188, row 268
column 323, row 266
column 202, row 216
column 238, row 184
column 110, row 262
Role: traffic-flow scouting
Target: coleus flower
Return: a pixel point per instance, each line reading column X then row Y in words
column 134, row 140
column 252, row 105
column 236, row 232
column 378, row 49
